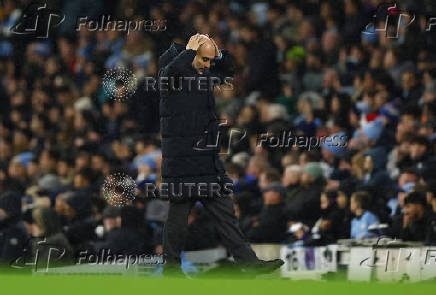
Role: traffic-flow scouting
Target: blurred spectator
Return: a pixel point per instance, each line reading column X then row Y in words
column 305, row 207
column 291, row 181
column 13, row 234
column 413, row 225
column 46, row 228
column 80, row 227
column 269, row 225
column 327, row 229
column 130, row 238
column 363, row 218
column 430, row 237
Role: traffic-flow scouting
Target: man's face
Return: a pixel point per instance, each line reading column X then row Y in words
column 109, row 224
column 368, row 164
column 263, row 182
column 411, row 210
column 3, row 214
column 408, row 80
column 324, row 202
column 271, row 198
column 80, row 181
column 406, row 178
column 205, row 55
column 306, row 179
column 342, row 200
column 417, row 150
column 97, row 162
column 353, row 205
column 291, row 177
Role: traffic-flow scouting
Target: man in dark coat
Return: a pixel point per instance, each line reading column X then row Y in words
column 13, row 234
column 130, row 238
column 190, row 147
column 430, row 237
column 413, row 224
column 81, row 224
column 305, row 207
column 270, row 225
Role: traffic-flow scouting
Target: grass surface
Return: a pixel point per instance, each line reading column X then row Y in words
column 123, row 285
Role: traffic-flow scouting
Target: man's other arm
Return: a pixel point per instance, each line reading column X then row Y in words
column 179, row 64
column 224, row 67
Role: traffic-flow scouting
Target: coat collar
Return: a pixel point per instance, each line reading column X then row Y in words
column 178, row 47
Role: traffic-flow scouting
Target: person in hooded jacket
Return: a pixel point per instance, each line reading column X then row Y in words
column 327, row 229
column 80, row 229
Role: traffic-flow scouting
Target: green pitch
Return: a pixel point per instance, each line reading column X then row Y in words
column 125, row 285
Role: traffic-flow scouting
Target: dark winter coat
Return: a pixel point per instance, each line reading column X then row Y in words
column 188, row 122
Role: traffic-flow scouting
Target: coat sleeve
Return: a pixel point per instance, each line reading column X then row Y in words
column 179, row 64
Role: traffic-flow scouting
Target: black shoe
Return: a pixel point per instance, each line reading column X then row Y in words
column 264, row 267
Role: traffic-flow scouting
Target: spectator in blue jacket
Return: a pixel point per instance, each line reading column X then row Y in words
column 363, row 218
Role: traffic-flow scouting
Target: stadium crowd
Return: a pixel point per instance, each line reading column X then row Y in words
column 303, row 69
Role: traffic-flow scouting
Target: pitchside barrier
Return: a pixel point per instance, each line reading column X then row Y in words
column 359, row 260
column 367, row 260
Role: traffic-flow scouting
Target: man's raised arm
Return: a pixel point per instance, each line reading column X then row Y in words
column 184, row 60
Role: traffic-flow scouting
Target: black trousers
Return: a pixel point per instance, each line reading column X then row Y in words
column 222, row 212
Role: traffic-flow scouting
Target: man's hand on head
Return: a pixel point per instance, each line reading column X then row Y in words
column 196, row 41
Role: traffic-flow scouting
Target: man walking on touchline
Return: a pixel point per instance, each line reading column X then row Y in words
column 191, row 167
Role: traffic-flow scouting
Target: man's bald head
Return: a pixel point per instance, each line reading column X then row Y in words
column 207, row 48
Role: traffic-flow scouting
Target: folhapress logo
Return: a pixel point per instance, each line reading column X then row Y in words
column 389, row 18
column 38, row 20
